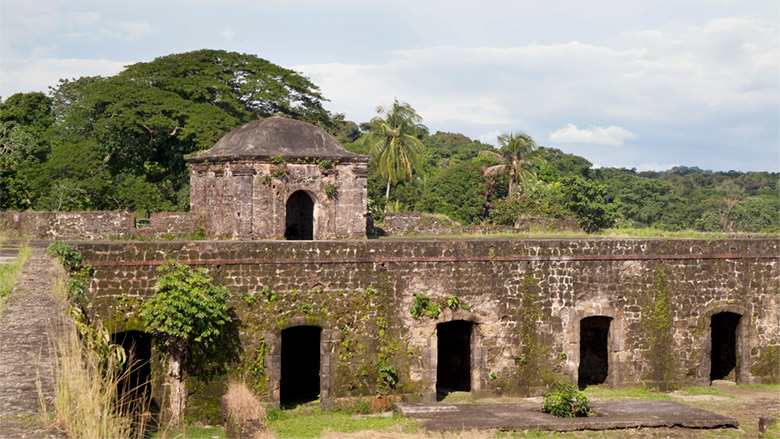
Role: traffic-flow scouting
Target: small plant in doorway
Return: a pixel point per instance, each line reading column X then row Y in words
column 565, row 401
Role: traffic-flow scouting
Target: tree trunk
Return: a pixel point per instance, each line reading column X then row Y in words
column 176, row 384
column 387, row 194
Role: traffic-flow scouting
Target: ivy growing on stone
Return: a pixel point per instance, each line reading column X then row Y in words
column 325, row 164
column 331, row 191
column 422, row 305
column 277, row 160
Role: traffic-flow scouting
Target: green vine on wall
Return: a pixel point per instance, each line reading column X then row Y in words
column 658, row 324
column 422, row 305
column 92, row 334
column 257, row 367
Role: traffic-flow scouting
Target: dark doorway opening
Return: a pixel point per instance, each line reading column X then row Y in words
column 594, row 350
column 300, row 216
column 134, row 387
column 300, row 381
column 453, row 369
column 724, row 346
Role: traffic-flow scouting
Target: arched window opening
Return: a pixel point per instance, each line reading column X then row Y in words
column 724, row 346
column 300, row 380
column 299, row 217
column 453, row 368
column 594, row 350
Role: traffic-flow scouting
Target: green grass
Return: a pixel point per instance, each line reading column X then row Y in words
column 309, row 422
column 630, row 393
column 759, row 386
column 696, row 390
column 9, row 273
column 190, row 432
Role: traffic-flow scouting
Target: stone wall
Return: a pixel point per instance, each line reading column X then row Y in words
column 67, row 225
column 417, row 223
column 99, row 225
column 525, row 299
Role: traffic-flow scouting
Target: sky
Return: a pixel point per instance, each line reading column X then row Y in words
column 646, row 84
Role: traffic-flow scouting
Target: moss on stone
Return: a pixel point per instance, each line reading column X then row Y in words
column 767, row 366
column 657, row 323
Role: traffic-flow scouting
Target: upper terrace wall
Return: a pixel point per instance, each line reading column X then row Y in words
column 97, row 225
column 525, row 298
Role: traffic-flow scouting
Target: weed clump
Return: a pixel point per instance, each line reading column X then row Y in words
column 565, row 401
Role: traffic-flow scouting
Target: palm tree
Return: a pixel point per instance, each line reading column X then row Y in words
column 521, row 157
column 394, row 143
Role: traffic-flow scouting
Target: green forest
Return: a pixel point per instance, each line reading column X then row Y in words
column 119, row 143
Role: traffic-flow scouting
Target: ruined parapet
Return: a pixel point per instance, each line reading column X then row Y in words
column 279, row 178
column 98, row 226
column 67, row 225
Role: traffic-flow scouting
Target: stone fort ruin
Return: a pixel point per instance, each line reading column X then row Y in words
column 341, row 319
column 280, row 178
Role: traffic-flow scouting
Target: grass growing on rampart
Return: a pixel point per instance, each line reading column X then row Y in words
column 9, row 273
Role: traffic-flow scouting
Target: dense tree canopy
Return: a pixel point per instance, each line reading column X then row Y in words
column 120, row 142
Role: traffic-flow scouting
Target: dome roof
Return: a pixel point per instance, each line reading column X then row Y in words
column 277, row 136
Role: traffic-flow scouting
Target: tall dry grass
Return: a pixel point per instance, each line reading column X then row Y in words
column 241, row 404
column 86, row 398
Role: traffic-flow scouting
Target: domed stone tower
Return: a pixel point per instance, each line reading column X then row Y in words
column 279, row 178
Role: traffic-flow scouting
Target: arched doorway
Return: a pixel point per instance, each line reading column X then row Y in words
column 453, row 367
column 724, row 346
column 594, row 350
column 299, row 219
column 134, row 385
column 300, row 377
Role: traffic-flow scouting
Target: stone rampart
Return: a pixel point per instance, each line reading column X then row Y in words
column 99, row 225
column 67, row 225
column 524, row 299
column 417, row 223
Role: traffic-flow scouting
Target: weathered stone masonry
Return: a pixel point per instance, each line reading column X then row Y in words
column 525, row 298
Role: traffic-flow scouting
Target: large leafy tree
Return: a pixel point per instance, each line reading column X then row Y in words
column 395, row 143
column 24, row 121
column 586, row 202
column 131, row 131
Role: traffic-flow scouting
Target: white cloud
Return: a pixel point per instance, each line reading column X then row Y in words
column 35, row 74
column 228, row 34
column 133, row 30
column 611, row 135
column 491, row 137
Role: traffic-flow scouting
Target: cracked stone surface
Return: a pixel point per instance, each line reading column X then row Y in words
column 31, row 314
column 609, row 415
